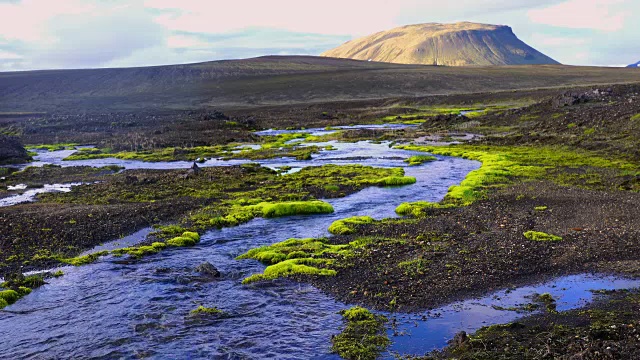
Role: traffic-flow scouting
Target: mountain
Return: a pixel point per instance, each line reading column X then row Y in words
column 459, row 44
column 634, row 65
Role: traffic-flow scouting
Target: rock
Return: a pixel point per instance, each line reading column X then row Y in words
column 195, row 168
column 460, row 340
column 130, row 179
column 574, row 98
column 208, row 270
column 193, row 171
column 12, row 151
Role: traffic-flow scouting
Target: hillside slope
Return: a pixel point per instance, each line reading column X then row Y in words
column 273, row 81
column 459, row 44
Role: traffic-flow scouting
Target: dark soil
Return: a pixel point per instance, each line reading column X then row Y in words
column 32, row 233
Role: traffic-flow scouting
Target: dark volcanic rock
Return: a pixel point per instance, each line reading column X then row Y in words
column 208, row 270
column 12, row 151
column 574, row 98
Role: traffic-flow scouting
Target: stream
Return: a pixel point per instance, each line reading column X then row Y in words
column 117, row 308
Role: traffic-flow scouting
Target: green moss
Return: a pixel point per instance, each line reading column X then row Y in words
column 346, row 226
column 24, row 291
column 9, row 296
column 541, row 208
column 192, row 235
column 300, row 257
column 84, row 260
column 395, row 181
column 571, row 125
column 420, row 159
column 503, row 165
column 635, row 117
column 589, row 131
column 548, row 301
column 332, row 188
column 416, row 267
column 58, row 274
column 201, row 310
column 168, row 231
column 540, row 236
column 181, row 241
column 52, row 147
column 295, row 208
column 140, row 251
column 418, row 208
column 291, row 267
column 363, row 337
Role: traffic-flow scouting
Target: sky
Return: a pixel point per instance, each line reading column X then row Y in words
column 63, row 34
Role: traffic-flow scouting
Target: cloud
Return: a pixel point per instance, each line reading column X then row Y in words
column 6, row 55
column 72, row 33
column 603, row 15
column 184, row 47
column 558, row 41
column 40, row 34
column 337, row 17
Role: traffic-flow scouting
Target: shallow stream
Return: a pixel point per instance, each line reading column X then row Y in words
column 127, row 309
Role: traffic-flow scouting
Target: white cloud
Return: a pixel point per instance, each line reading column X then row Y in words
column 185, row 41
column 558, row 41
column 603, row 15
column 6, row 55
column 26, row 21
column 323, row 17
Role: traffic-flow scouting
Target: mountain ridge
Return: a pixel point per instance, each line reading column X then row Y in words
column 458, row 44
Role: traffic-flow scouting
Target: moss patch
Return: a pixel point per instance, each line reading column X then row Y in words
column 420, row 159
column 363, row 337
column 347, row 226
column 84, row 260
column 300, row 257
column 503, row 165
column 540, row 236
column 295, row 208
column 206, row 311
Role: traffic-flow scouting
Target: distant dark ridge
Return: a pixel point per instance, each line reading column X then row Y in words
column 273, row 80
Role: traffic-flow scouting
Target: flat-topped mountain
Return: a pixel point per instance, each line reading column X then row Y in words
column 459, row 44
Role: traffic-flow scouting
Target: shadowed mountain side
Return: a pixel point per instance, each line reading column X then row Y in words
column 273, row 81
column 459, row 44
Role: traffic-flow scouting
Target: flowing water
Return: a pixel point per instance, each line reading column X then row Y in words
column 117, row 308
column 30, row 195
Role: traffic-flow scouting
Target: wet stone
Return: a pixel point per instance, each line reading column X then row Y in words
column 208, row 270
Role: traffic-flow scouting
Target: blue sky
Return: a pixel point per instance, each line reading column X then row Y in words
column 50, row 34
